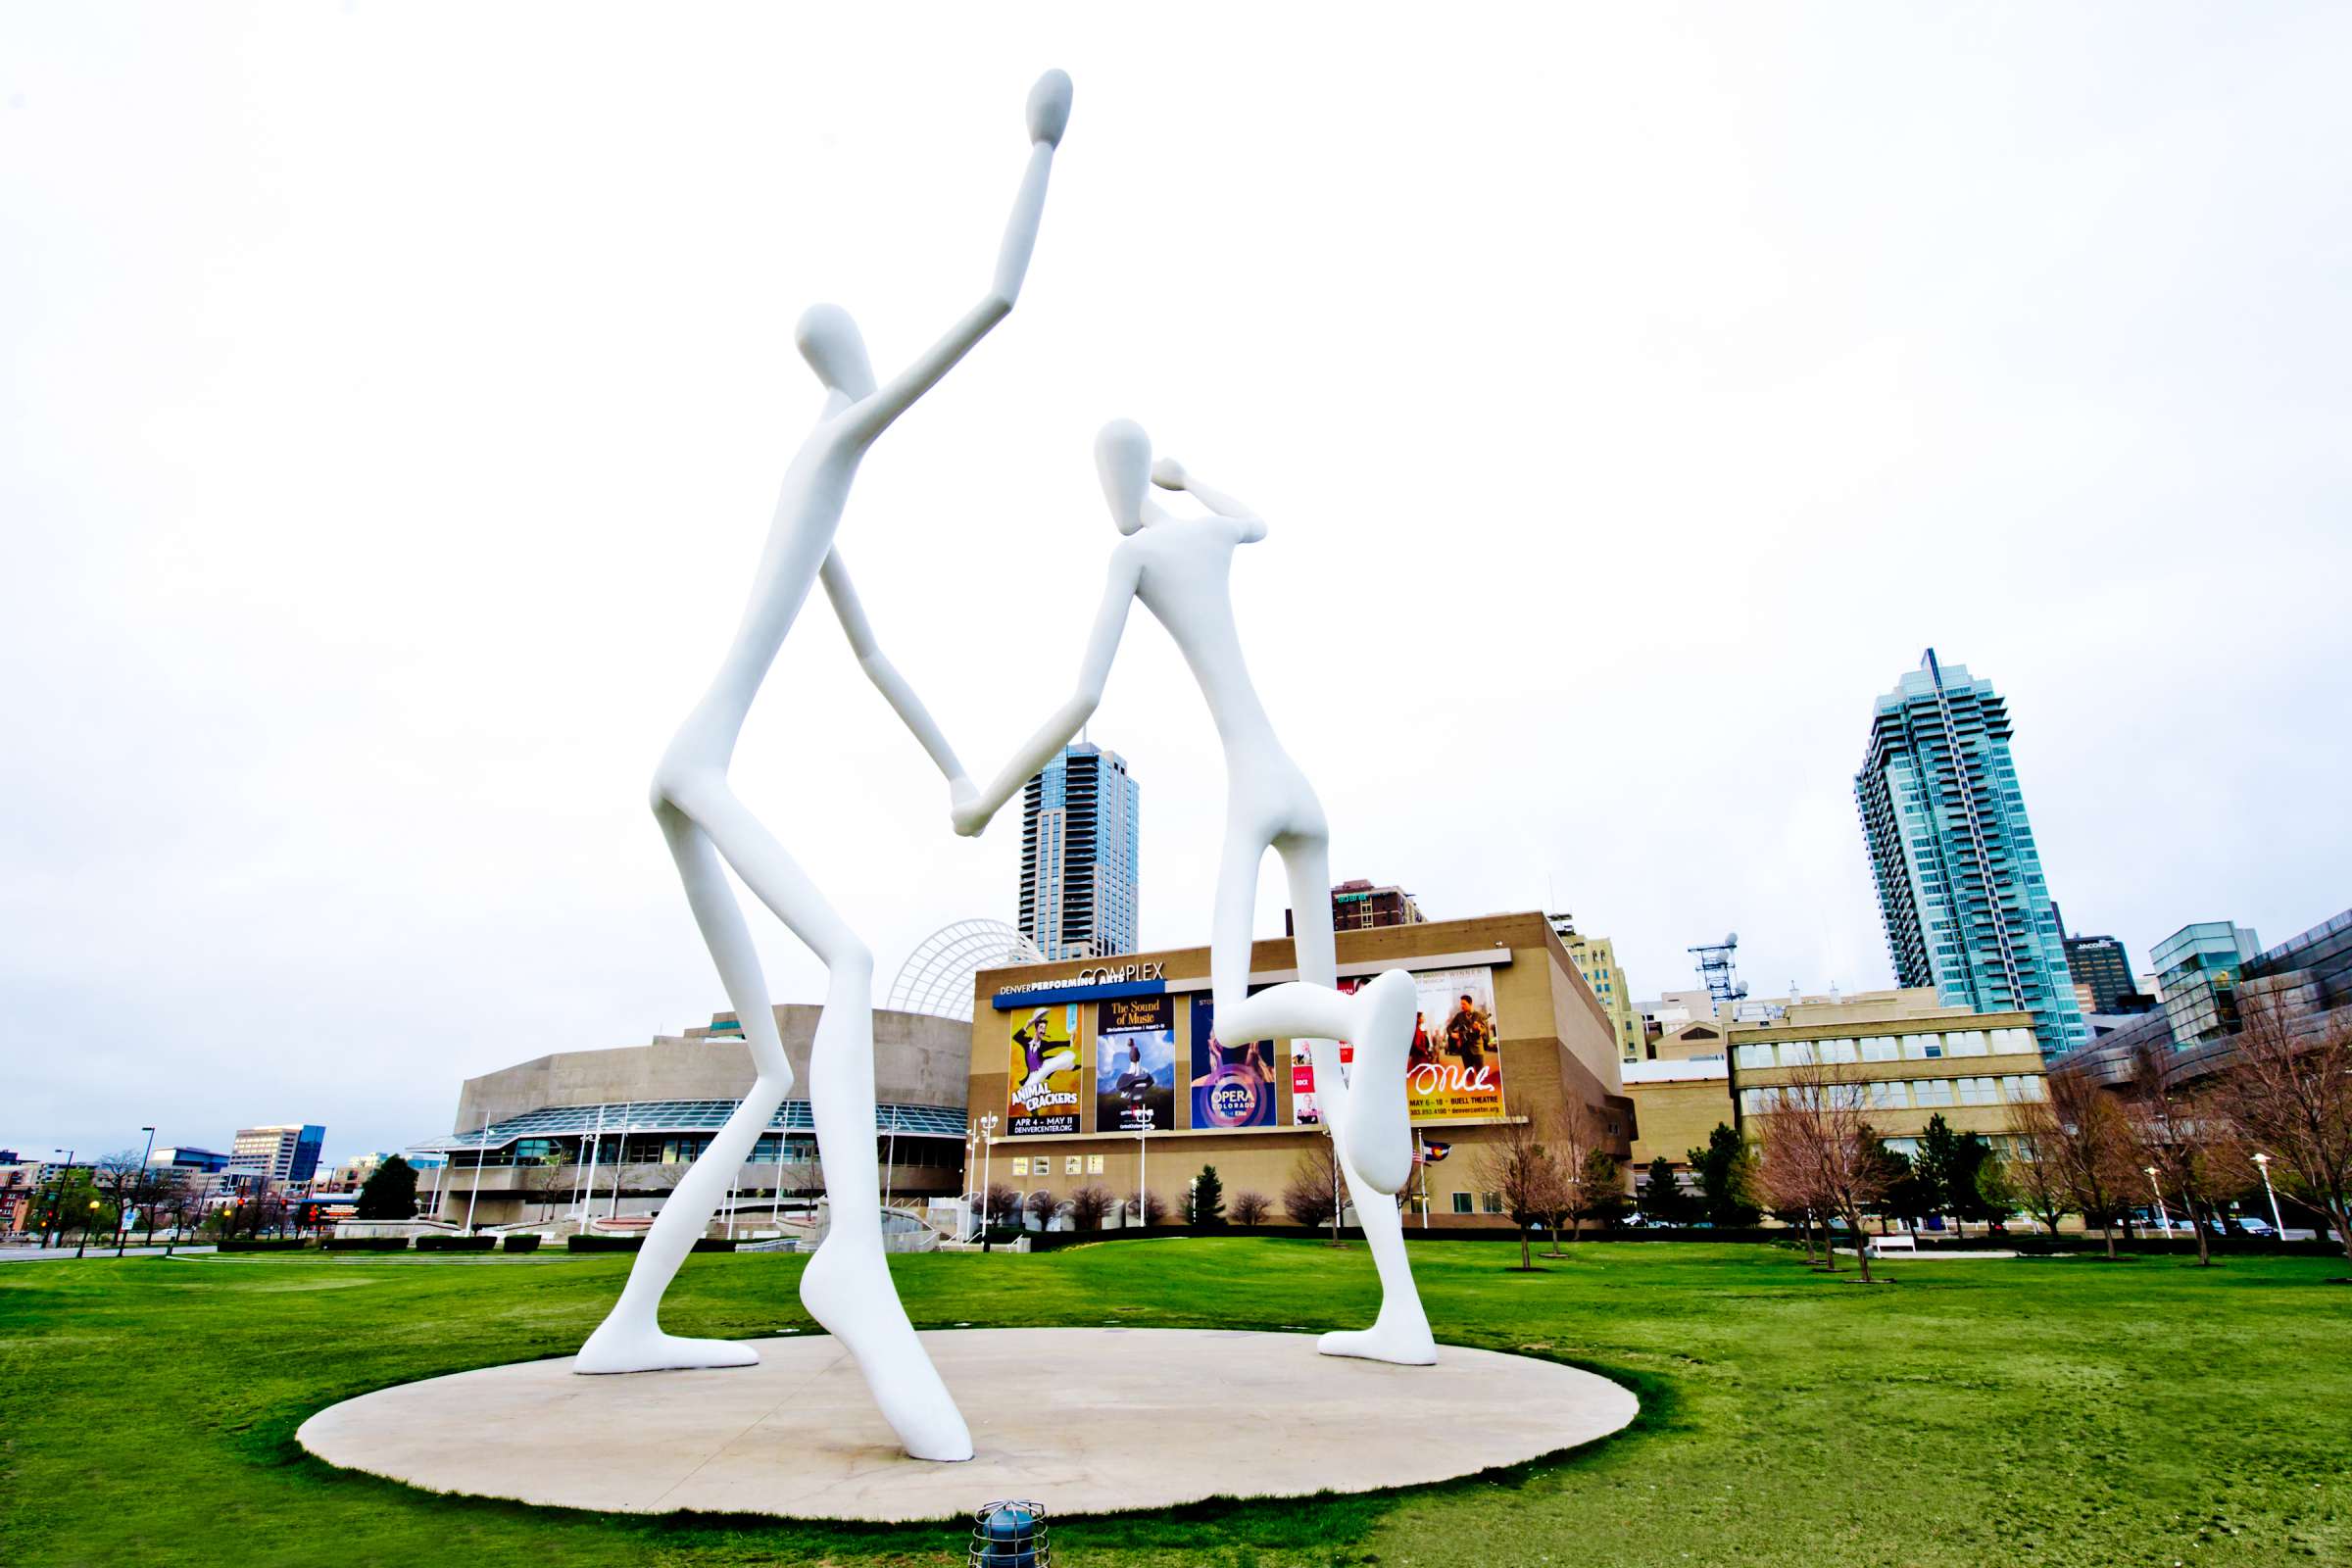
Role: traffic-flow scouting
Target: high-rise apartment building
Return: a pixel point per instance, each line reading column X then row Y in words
column 1967, row 909
column 2100, row 965
column 285, row 1153
column 1597, row 957
column 1078, row 855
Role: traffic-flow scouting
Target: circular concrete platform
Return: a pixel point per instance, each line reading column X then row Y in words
column 1081, row 1420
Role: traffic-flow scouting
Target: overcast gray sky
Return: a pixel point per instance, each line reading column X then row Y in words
column 394, row 400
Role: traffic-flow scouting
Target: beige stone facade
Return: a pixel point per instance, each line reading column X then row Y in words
column 1912, row 1060
column 556, row 1120
column 1553, row 1039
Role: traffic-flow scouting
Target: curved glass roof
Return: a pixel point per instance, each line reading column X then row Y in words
column 682, row 1117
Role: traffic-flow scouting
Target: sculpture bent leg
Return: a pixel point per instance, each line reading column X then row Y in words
column 1401, row 1333
column 846, row 1286
column 631, row 1337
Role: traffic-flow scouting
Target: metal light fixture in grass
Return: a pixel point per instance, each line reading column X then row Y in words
column 1010, row 1535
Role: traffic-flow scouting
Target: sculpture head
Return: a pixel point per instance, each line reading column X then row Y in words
column 835, row 350
column 1123, row 463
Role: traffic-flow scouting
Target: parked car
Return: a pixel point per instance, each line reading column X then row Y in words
column 2248, row 1225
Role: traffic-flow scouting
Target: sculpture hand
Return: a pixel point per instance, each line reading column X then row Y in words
column 1050, row 107
column 1170, row 474
column 965, row 809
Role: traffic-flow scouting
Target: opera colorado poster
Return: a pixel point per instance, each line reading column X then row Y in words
column 1135, row 1065
column 1233, row 1086
column 1044, row 1083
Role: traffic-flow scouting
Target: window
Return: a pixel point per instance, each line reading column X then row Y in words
column 1922, row 1047
column 1888, row 1094
column 2018, row 1088
column 1980, row 1092
column 1878, row 1048
column 1796, row 1052
column 1932, row 1092
column 1462, row 1202
column 1094, row 1164
column 1489, row 1203
column 1836, row 1050
column 1967, row 1043
column 1755, row 1056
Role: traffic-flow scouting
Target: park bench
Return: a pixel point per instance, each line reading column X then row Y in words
column 1881, row 1246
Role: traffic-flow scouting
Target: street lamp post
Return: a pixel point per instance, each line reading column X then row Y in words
column 2162, row 1216
column 988, row 1148
column 57, row 1199
column 1142, row 1192
column 95, row 1206
column 2262, row 1162
column 122, row 1214
column 480, row 1148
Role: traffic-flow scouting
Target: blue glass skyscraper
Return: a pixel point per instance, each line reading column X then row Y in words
column 1967, row 909
column 1078, row 855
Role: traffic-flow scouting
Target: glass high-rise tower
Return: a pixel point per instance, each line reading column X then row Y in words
column 1078, row 855
column 1960, row 883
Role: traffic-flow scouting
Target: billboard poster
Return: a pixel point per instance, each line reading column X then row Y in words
column 1135, row 1064
column 1044, row 1080
column 1304, row 1110
column 1454, row 1068
column 1233, row 1086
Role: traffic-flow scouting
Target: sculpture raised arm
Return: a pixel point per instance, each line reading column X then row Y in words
column 1094, row 671
column 1048, row 114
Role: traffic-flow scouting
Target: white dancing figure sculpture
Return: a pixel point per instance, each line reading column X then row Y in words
column 1180, row 569
column 846, row 1286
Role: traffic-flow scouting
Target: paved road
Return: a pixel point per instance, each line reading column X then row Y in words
column 40, row 1254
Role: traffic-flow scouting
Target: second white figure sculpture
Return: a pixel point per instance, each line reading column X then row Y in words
column 1179, row 570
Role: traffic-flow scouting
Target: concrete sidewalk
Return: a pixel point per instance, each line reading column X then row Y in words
column 42, row 1254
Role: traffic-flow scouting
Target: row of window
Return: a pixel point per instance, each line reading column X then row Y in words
column 1072, row 1164
column 1914, row 1094
column 1932, row 1046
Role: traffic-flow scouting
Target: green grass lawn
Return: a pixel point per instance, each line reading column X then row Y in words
column 1971, row 1413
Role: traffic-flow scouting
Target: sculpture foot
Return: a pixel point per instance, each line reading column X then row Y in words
column 850, row 1294
column 1382, row 1343
column 1376, row 1131
column 614, row 1348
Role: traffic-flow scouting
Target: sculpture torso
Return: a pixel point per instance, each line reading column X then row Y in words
column 809, row 508
column 1184, row 574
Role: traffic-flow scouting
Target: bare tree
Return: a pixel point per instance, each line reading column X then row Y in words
column 2289, row 1094
column 1041, row 1206
column 1584, row 1178
column 545, row 1177
column 1252, row 1209
column 185, row 1202
column 1152, row 1208
column 2039, row 1170
column 2095, row 1150
column 1528, row 1174
column 999, row 1205
column 2184, row 1140
column 120, row 1176
column 1787, row 1175
column 1311, row 1194
column 1088, row 1206
column 1823, row 1115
